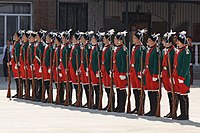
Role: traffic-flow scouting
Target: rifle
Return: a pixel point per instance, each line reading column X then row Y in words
column 20, row 93
column 50, row 97
column 33, row 78
column 173, row 90
column 67, row 81
column 129, row 85
column 159, row 89
column 90, row 103
column 110, row 103
column 43, row 87
column 100, row 84
column 141, row 106
column 79, row 98
column 58, row 84
column 26, row 76
column 9, row 74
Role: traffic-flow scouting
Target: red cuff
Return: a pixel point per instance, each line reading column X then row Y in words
column 155, row 76
column 181, row 78
column 139, row 73
column 123, row 74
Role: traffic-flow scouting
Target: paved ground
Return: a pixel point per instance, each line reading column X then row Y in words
column 21, row 116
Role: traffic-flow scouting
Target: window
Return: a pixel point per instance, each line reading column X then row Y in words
column 13, row 16
column 74, row 16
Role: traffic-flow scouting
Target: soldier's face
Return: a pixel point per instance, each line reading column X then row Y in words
column 115, row 41
column 151, row 42
column 16, row 38
column 179, row 43
column 24, row 38
column 48, row 39
column 63, row 39
column 74, row 40
column 136, row 40
column 94, row 41
column 82, row 40
column 32, row 39
column 38, row 37
column 105, row 41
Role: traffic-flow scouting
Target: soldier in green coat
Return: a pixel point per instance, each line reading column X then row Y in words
column 181, row 75
column 152, row 73
column 137, row 59
column 120, row 70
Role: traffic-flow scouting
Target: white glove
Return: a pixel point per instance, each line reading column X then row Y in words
column 32, row 67
column 60, row 74
column 97, row 75
column 18, row 64
column 180, row 81
column 139, row 76
column 155, row 79
column 15, row 66
column 59, row 67
column 86, row 73
column 143, row 72
column 40, row 70
column 122, row 77
column 49, row 70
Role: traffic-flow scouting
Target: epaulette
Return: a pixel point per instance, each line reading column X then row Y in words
column 143, row 48
column 101, row 46
column 89, row 46
column 187, row 51
column 125, row 48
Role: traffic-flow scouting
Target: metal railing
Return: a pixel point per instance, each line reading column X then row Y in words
column 196, row 45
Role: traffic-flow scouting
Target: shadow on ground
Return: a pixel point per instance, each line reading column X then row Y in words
column 128, row 116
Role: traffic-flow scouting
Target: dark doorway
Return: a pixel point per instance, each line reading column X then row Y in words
column 73, row 16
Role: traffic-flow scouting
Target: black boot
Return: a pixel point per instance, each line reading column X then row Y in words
column 108, row 96
column 123, row 99
column 17, row 91
column 169, row 115
column 118, row 101
column 96, row 90
column 153, row 103
column 137, row 101
column 70, row 93
column 184, row 106
column 86, row 87
column 62, row 93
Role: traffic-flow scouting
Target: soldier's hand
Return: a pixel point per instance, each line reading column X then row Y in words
column 18, row 64
column 180, row 81
column 122, row 77
column 86, row 73
column 49, row 70
column 15, row 66
column 154, row 79
column 60, row 74
column 59, row 67
column 40, row 70
column 97, row 74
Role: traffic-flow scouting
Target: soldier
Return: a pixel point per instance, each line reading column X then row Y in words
column 15, row 62
column 57, row 69
column 30, row 66
column 23, row 60
column 106, row 67
column 168, row 52
column 138, row 51
column 181, row 75
column 120, row 70
column 85, row 54
column 74, row 71
column 64, row 57
column 151, row 73
column 48, row 53
column 38, row 53
column 93, row 67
